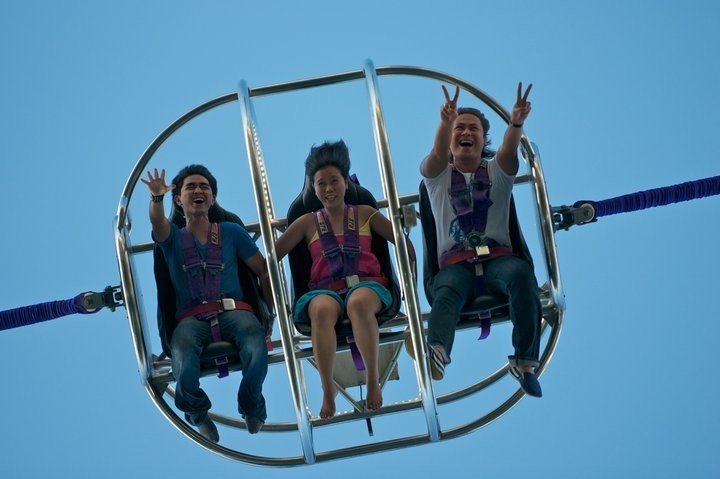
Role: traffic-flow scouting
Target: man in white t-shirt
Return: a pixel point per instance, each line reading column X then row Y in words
column 470, row 193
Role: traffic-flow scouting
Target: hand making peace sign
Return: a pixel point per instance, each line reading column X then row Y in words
column 448, row 112
column 522, row 107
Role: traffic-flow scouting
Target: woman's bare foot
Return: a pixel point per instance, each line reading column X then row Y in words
column 327, row 410
column 374, row 398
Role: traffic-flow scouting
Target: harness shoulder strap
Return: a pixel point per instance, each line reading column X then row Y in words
column 204, row 280
column 471, row 202
column 330, row 246
column 351, row 241
column 213, row 264
column 203, row 276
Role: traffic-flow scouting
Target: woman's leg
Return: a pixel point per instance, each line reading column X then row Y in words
column 324, row 312
column 362, row 307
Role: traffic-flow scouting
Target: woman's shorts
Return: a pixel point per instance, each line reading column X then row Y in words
column 300, row 314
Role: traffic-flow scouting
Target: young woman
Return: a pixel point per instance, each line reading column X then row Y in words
column 346, row 277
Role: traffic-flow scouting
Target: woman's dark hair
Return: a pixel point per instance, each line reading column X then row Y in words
column 487, row 152
column 328, row 154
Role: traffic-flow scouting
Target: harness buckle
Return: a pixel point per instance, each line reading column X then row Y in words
column 331, row 252
column 481, row 251
column 190, row 266
column 213, row 267
column 350, row 250
column 228, row 304
column 351, row 281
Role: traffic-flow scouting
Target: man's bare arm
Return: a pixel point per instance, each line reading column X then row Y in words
column 507, row 153
column 156, row 185
column 437, row 160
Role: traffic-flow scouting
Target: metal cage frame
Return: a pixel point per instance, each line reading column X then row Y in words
column 154, row 371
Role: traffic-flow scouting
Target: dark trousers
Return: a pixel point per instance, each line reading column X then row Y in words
column 506, row 276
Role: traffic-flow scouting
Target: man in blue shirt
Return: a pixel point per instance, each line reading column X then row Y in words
column 203, row 264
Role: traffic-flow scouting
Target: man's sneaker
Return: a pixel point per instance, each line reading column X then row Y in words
column 438, row 360
column 528, row 382
column 208, row 430
column 253, row 424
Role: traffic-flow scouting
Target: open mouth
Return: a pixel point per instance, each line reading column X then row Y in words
column 466, row 142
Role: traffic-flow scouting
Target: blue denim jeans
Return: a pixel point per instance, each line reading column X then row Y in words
column 507, row 277
column 191, row 336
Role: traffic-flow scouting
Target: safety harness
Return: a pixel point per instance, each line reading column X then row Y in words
column 206, row 301
column 343, row 261
column 471, row 202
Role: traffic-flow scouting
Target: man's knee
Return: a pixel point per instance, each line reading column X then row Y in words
column 244, row 324
column 453, row 280
column 523, row 283
column 184, row 339
column 448, row 295
column 513, row 276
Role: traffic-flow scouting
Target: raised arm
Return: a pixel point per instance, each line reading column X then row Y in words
column 158, row 188
column 437, row 160
column 507, row 153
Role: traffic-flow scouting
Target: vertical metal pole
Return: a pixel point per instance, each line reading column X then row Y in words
column 265, row 217
column 387, row 175
column 545, row 223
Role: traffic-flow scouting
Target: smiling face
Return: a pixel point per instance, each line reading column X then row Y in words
column 330, row 186
column 468, row 139
column 195, row 196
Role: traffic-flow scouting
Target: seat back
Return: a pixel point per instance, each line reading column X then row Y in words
column 166, row 293
column 301, row 261
column 430, row 260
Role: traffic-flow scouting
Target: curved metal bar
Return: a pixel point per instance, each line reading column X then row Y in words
column 139, row 330
column 402, row 256
column 123, row 246
column 195, row 436
column 307, row 83
column 265, row 214
column 436, row 75
column 515, row 398
column 140, row 166
column 549, row 350
column 545, row 219
column 141, row 343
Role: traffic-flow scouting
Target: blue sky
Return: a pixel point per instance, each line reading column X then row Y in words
column 624, row 99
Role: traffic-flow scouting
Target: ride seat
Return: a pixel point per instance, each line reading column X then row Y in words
column 301, row 261
column 497, row 306
column 166, row 296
